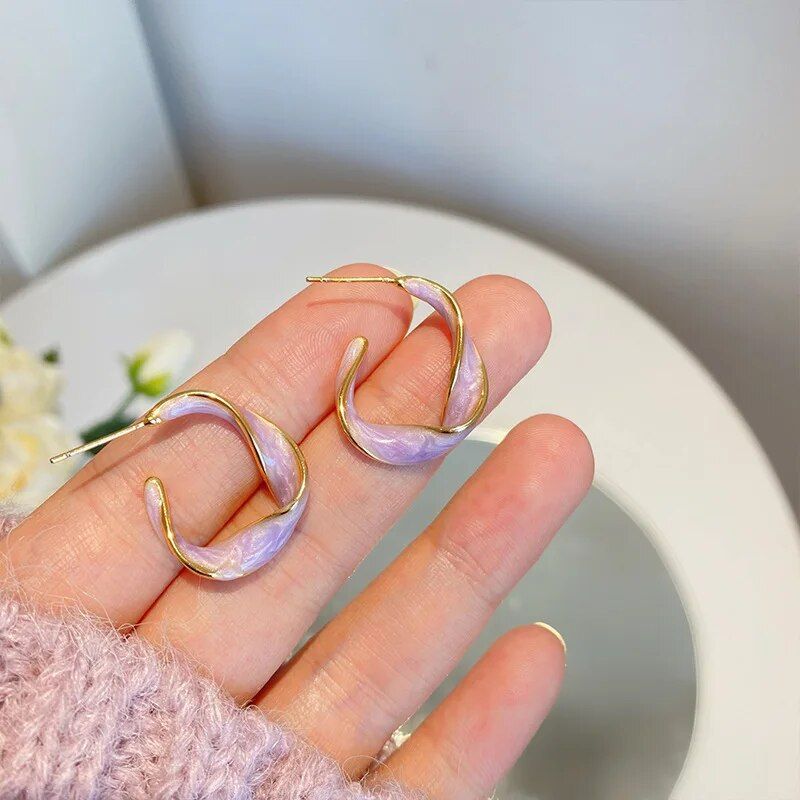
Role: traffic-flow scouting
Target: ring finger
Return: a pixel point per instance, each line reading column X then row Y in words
column 373, row 665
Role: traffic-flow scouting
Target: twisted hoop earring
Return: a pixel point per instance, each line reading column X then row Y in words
column 280, row 464
column 467, row 391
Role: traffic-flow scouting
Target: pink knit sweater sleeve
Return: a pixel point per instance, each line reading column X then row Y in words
column 89, row 712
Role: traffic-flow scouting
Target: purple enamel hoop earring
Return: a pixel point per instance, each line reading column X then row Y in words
column 280, row 464
column 467, row 391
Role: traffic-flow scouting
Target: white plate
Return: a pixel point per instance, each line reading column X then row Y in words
column 670, row 447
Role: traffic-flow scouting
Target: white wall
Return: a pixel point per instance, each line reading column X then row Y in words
column 655, row 143
column 85, row 147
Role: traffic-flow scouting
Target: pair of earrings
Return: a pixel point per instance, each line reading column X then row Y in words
column 281, row 463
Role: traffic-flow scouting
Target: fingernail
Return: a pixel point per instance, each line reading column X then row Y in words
column 555, row 633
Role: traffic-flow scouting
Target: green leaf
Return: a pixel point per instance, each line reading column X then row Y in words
column 133, row 365
column 51, row 356
column 155, row 387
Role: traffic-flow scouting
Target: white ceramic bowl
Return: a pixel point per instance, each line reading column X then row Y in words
column 671, row 449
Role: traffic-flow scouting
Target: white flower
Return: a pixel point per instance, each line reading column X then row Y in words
column 28, row 385
column 156, row 365
column 27, row 477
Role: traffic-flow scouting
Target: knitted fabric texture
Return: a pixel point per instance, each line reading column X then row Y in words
column 88, row 712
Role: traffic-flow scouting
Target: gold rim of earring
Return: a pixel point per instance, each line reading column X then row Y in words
column 151, row 417
column 455, row 364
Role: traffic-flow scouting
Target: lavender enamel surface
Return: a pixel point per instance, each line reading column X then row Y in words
column 413, row 444
column 257, row 544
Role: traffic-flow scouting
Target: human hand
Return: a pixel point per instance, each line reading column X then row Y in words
column 368, row 670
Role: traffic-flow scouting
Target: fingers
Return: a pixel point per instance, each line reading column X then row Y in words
column 242, row 637
column 474, row 737
column 93, row 542
column 373, row 665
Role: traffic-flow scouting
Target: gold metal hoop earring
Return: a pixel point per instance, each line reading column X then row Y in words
column 280, row 464
column 467, row 392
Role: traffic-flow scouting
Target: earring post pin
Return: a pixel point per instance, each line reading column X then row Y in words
column 104, row 439
column 374, row 279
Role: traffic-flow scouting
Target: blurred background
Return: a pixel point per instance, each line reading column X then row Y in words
column 654, row 143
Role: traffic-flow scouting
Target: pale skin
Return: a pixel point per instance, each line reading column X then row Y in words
column 367, row 671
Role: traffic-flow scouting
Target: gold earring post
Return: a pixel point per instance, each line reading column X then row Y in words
column 375, row 279
column 105, row 439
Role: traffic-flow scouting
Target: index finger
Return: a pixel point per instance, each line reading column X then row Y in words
column 92, row 542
